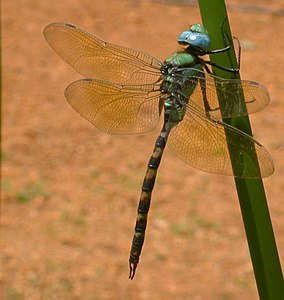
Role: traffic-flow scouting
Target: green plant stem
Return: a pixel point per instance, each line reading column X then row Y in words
column 252, row 199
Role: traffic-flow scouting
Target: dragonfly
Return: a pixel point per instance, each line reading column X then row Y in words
column 126, row 91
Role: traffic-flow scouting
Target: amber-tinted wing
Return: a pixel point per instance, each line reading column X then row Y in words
column 202, row 143
column 95, row 58
column 228, row 94
column 114, row 108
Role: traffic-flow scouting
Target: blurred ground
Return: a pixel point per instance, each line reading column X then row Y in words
column 69, row 192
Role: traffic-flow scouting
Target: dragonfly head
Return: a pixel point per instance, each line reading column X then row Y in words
column 196, row 38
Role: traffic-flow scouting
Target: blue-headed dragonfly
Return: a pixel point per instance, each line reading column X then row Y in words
column 125, row 91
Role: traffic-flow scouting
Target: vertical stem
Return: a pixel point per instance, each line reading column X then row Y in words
column 252, row 199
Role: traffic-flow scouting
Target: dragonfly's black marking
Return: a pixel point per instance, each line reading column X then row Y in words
column 145, row 201
column 127, row 89
column 71, row 25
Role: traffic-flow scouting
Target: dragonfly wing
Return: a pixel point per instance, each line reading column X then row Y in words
column 95, row 58
column 114, row 108
column 202, row 143
column 228, row 94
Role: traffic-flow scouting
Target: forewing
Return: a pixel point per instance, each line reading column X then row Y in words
column 114, row 108
column 228, row 94
column 95, row 58
column 202, row 143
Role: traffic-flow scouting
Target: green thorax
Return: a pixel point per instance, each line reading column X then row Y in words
column 180, row 82
column 189, row 67
column 185, row 60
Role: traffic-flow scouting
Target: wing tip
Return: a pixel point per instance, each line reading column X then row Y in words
column 58, row 24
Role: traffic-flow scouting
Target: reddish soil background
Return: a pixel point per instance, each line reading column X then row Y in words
column 69, row 192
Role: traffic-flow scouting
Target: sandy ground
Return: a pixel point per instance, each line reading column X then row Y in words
column 69, row 192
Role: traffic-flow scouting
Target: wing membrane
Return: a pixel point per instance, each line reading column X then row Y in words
column 227, row 93
column 114, row 108
column 202, row 143
column 95, row 58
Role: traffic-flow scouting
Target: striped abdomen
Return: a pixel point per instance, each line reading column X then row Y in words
column 144, row 203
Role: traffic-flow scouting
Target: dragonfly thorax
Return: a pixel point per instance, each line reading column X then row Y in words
column 177, row 70
column 179, row 60
column 179, row 73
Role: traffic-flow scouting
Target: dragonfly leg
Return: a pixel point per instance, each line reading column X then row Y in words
column 226, row 40
column 239, row 51
column 205, row 101
column 207, row 107
column 226, row 48
column 231, row 70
